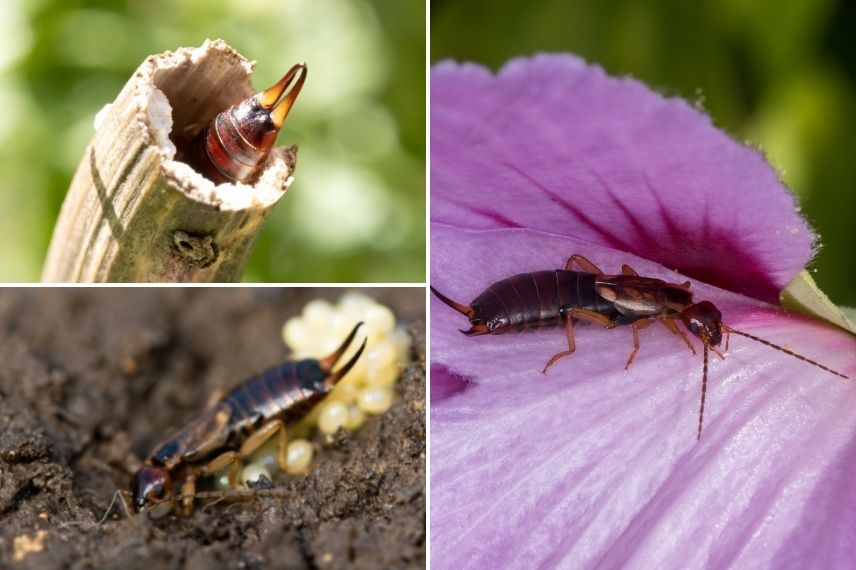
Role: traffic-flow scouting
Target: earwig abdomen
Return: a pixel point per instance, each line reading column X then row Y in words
column 534, row 301
column 286, row 392
column 222, row 154
column 234, row 145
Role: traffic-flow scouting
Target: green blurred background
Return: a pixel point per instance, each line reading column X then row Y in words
column 781, row 74
column 356, row 211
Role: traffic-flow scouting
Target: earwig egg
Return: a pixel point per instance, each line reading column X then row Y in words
column 221, row 480
column 345, row 392
column 401, row 341
column 354, row 304
column 375, row 400
column 381, row 355
column 317, row 314
column 367, row 386
column 295, row 333
column 299, row 454
column 379, row 318
column 382, row 377
column 333, row 416
column 252, row 472
column 356, row 418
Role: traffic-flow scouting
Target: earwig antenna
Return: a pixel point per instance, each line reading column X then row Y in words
column 117, row 495
column 234, row 494
column 224, row 497
column 703, row 390
column 86, row 524
column 728, row 329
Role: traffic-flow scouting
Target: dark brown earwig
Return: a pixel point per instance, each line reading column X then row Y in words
column 547, row 299
column 222, row 436
column 233, row 146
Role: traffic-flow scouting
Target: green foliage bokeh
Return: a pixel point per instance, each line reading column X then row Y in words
column 356, row 211
column 781, row 74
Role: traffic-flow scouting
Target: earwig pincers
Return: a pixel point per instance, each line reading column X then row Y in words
column 233, row 146
column 547, row 299
column 222, row 436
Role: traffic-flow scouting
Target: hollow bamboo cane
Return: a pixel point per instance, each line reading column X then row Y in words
column 133, row 213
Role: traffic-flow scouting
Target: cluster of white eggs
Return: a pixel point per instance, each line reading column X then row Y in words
column 367, row 389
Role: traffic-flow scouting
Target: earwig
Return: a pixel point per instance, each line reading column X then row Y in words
column 233, row 146
column 547, row 299
column 235, row 427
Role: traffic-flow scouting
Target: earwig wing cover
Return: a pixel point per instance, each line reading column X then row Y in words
column 133, row 212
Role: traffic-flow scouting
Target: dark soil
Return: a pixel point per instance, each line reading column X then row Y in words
column 91, row 379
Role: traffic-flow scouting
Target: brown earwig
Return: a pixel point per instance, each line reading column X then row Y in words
column 233, row 146
column 546, row 299
column 243, row 420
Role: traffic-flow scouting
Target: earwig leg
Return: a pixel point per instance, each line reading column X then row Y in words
column 583, row 315
column 591, row 317
column 191, row 130
column 263, row 434
column 670, row 324
column 260, row 436
column 569, row 331
column 230, row 459
column 215, row 398
column 635, row 327
column 716, row 352
column 584, row 263
column 627, row 270
column 188, row 493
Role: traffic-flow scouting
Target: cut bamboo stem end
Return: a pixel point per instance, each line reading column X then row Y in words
column 133, row 213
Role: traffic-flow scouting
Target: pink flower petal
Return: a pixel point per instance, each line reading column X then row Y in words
column 591, row 465
column 553, row 144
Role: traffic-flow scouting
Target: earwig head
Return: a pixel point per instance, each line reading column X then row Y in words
column 478, row 327
column 705, row 321
column 326, row 364
column 151, row 486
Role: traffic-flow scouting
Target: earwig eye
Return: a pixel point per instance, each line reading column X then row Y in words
column 694, row 327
